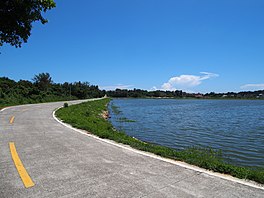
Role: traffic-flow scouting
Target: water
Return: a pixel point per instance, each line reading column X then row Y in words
column 234, row 126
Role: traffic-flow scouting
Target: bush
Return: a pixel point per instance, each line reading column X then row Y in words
column 65, row 105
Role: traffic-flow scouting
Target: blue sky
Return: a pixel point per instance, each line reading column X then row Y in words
column 193, row 45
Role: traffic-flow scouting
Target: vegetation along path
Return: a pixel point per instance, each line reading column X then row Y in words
column 61, row 161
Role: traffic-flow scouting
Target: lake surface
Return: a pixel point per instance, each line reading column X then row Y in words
column 234, row 126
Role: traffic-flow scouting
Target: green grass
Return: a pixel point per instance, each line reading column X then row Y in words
column 124, row 119
column 115, row 109
column 87, row 116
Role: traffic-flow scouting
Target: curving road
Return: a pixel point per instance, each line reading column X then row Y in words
column 39, row 157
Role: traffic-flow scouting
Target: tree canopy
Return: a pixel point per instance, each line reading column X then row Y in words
column 43, row 89
column 17, row 16
column 42, row 80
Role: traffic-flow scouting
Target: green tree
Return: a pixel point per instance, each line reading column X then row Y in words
column 43, row 81
column 17, row 16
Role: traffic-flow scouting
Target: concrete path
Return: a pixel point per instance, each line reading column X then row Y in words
column 40, row 157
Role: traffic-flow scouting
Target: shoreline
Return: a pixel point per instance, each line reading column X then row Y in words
column 204, row 158
column 175, row 162
column 171, row 98
column 158, row 122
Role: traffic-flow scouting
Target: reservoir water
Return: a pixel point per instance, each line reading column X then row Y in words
column 234, row 126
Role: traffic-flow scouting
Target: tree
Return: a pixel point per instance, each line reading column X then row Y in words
column 17, row 16
column 43, row 81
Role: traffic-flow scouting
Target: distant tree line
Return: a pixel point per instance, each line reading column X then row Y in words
column 43, row 89
column 240, row 95
column 138, row 93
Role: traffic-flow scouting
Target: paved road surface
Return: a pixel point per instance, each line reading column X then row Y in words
column 64, row 163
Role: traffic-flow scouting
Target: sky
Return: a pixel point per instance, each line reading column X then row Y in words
column 191, row 45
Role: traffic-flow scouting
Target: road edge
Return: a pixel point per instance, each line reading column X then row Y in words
column 4, row 109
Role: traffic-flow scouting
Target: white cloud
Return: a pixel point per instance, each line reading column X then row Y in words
column 187, row 81
column 252, row 87
column 154, row 88
column 118, row 86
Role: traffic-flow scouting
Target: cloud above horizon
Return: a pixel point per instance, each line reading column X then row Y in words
column 252, row 87
column 187, row 81
column 118, row 86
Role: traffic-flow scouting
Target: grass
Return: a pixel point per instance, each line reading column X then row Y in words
column 87, row 116
column 115, row 109
column 124, row 119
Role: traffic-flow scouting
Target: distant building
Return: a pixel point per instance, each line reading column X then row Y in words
column 260, row 96
column 198, row 96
